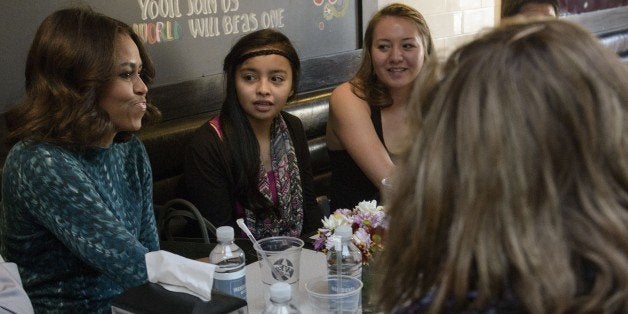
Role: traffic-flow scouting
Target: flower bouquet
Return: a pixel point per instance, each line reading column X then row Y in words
column 368, row 222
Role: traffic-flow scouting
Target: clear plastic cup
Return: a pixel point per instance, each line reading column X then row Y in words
column 335, row 294
column 284, row 253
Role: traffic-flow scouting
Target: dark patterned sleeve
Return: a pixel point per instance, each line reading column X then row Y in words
column 148, row 229
column 65, row 201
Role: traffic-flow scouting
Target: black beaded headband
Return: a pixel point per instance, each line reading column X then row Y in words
column 263, row 52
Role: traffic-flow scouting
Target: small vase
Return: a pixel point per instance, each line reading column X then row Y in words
column 368, row 279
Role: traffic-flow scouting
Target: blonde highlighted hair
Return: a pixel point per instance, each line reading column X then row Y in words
column 517, row 184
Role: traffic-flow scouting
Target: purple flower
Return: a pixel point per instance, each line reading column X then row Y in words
column 367, row 221
column 318, row 243
column 362, row 237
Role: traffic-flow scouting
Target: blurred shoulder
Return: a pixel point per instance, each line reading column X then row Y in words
column 344, row 89
column 344, row 96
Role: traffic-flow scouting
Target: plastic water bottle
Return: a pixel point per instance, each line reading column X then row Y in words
column 350, row 261
column 230, row 277
column 280, row 296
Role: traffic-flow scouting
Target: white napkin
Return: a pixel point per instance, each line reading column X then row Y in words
column 180, row 274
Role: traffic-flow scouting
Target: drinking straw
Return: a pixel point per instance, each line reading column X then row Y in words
column 248, row 233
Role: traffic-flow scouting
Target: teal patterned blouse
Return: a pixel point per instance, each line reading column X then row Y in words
column 77, row 224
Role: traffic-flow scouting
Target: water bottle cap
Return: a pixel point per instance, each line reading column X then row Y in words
column 344, row 231
column 224, row 233
column 280, row 292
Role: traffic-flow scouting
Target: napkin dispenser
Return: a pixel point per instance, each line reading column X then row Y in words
column 153, row 298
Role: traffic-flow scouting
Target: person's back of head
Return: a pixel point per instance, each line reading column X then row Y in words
column 516, row 188
column 512, row 8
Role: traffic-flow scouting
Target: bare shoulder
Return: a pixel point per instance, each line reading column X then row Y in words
column 343, row 89
column 348, row 114
column 343, row 98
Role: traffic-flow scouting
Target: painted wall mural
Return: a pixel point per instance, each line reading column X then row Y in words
column 332, row 9
column 187, row 39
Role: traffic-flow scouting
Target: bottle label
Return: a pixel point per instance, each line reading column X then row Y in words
column 233, row 283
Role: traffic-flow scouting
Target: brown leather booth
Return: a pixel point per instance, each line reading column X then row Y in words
column 186, row 105
column 165, row 143
column 610, row 25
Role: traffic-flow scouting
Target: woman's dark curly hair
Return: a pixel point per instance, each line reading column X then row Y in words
column 69, row 65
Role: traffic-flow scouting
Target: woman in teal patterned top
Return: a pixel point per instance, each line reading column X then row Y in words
column 78, row 215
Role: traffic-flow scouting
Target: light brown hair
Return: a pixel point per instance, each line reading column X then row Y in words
column 365, row 84
column 517, row 184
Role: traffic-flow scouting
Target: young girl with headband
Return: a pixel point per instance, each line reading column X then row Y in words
column 252, row 160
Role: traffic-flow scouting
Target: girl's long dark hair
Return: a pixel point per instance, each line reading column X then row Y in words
column 239, row 139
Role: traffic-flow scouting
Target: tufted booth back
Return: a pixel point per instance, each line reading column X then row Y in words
column 166, row 141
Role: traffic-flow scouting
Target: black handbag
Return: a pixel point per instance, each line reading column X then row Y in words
column 176, row 215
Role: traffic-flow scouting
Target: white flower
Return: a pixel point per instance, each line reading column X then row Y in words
column 334, row 220
column 369, row 207
column 365, row 216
